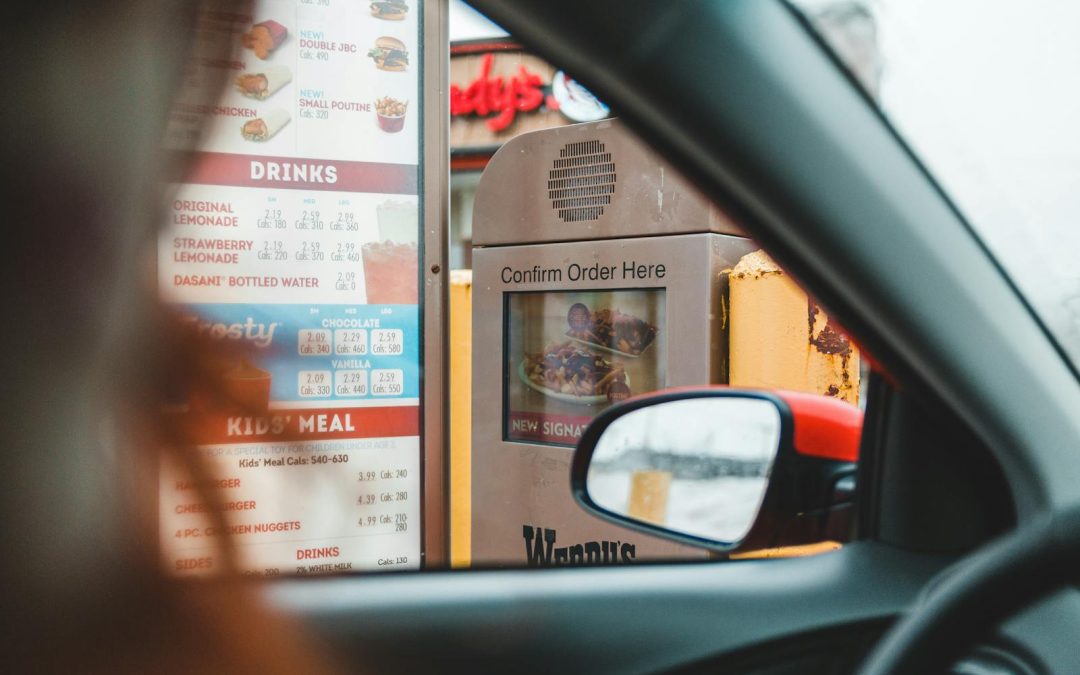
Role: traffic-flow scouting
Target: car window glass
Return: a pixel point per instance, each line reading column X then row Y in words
column 552, row 332
column 585, row 273
column 980, row 91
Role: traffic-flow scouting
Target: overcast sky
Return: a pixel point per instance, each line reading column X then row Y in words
column 467, row 24
column 986, row 92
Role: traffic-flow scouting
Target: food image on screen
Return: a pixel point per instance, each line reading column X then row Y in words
column 576, row 373
column 611, row 329
column 568, row 355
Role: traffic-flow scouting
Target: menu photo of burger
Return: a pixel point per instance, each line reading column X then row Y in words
column 389, row 53
column 390, row 10
column 390, row 114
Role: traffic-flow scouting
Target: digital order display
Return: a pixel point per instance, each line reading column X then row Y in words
column 570, row 354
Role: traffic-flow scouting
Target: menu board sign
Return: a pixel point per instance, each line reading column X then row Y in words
column 296, row 234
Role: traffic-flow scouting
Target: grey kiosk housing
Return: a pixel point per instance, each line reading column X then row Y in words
column 598, row 273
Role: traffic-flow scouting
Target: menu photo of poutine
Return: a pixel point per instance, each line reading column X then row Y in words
column 390, row 114
column 570, row 372
column 610, row 330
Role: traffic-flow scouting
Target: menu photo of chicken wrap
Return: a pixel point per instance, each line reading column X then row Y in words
column 265, row 127
column 263, row 83
column 569, row 355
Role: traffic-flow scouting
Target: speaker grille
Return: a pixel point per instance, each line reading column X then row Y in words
column 582, row 181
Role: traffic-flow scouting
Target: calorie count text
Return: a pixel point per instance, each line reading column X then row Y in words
column 387, row 382
column 351, row 382
column 346, row 281
column 387, row 342
column 377, row 494
column 274, row 250
column 309, row 220
column 315, row 383
column 350, row 342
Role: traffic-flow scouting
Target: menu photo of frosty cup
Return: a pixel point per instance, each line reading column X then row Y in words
column 248, row 386
column 391, row 263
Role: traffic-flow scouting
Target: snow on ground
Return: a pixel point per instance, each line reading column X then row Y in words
column 721, row 508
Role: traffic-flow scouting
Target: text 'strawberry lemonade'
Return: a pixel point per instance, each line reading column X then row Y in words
column 390, row 264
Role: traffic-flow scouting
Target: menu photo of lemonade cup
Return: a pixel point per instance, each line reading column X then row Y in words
column 390, row 264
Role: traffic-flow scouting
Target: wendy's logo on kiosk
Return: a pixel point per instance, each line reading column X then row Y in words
column 578, row 317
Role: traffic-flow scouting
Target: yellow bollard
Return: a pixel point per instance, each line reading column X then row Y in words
column 649, row 496
column 460, row 418
column 781, row 339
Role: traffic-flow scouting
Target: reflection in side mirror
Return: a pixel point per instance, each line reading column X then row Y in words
column 696, row 466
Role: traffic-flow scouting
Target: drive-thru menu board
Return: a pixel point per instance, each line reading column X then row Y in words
column 296, row 233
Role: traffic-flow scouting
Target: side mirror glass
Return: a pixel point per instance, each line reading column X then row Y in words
column 722, row 468
column 697, row 466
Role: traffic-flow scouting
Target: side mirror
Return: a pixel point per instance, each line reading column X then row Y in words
column 722, row 468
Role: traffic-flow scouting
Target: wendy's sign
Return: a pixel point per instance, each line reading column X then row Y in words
column 498, row 91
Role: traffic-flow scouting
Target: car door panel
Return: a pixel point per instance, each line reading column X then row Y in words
column 632, row 619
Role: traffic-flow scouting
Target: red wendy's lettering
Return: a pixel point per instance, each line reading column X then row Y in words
column 485, row 95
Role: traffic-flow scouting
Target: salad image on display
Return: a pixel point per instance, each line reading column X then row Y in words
column 569, row 372
column 610, row 329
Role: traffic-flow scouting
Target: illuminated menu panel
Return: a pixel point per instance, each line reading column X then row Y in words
column 295, row 232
